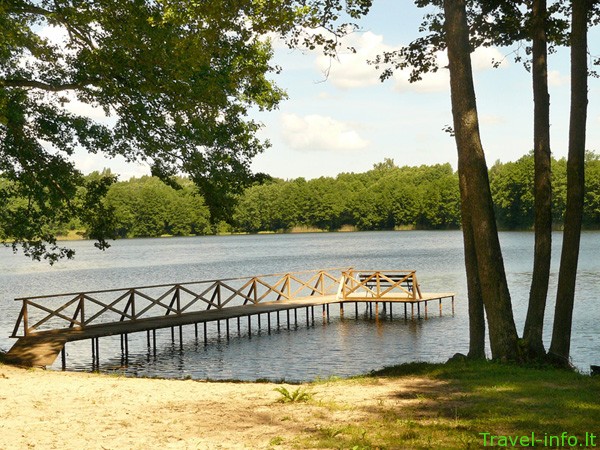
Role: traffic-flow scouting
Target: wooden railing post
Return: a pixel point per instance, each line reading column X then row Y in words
column 254, row 289
column 25, row 317
column 133, row 306
column 82, row 309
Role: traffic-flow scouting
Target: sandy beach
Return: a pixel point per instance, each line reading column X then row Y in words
column 57, row 410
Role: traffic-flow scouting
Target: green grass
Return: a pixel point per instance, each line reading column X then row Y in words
column 296, row 396
column 465, row 399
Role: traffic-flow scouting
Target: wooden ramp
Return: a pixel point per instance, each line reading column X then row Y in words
column 35, row 351
column 49, row 322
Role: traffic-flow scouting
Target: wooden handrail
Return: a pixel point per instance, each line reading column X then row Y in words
column 357, row 284
column 130, row 304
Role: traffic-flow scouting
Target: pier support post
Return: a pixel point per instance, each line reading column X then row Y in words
column 239, row 327
column 269, row 323
column 95, row 353
column 205, row 334
column 288, row 318
column 249, row 327
column 124, row 346
column 227, row 328
column 154, row 341
column 180, row 337
column 63, row 355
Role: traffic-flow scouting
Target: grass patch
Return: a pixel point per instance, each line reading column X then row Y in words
column 298, row 395
column 460, row 400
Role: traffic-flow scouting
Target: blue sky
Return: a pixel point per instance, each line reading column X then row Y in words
column 348, row 121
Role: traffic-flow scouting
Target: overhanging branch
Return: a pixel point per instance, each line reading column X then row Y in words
column 33, row 84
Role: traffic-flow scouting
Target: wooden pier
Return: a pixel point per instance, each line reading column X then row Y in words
column 46, row 323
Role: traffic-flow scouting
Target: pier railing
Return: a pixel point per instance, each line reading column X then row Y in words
column 380, row 285
column 84, row 309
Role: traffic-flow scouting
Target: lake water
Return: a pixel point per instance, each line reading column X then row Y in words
column 340, row 347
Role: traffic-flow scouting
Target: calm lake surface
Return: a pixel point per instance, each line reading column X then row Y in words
column 341, row 347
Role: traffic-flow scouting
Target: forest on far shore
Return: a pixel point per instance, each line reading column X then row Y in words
column 386, row 197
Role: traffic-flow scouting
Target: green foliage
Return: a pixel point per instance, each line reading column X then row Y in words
column 512, row 190
column 389, row 197
column 386, row 197
column 176, row 81
column 298, row 395
column 147, row 207
column 37, row 207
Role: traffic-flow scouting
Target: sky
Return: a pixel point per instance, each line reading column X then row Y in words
column 349, row 120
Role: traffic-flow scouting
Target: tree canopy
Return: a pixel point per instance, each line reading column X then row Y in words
column 174, row 79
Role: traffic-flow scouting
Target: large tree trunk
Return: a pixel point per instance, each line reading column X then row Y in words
column 476, row 312
column 472, row 170
column 565, row 297
column 534, row 324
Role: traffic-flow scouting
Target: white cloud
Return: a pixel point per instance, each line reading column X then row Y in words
column 55, row 35
column 490, row 119
column 89, row 162
column 431, row 82
column 320, row 133
column 485, row 57
column 351, row 70
column 84, row 109
column 555, row 78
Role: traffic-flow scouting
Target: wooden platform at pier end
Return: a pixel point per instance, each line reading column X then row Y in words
column 47, row 323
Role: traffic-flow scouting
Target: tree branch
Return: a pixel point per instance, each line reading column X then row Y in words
column 43, row 86
column 74, row 32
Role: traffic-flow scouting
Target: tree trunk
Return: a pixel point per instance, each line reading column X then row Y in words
column 475, row 194
column 476, row 312
column 534, row 323
column 565, row 296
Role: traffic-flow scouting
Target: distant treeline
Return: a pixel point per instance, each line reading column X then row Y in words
column 392, row 197
column 384, row 198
